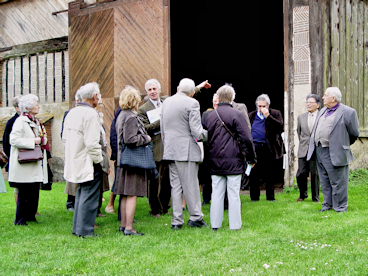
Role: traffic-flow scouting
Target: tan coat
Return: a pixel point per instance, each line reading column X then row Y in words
column 81, row 136
column 22, row 136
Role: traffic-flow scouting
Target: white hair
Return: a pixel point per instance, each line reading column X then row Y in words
column 335, row 92
column 214, row 96
column 27, row 101
column 78, row 97
column 87, row 91
column 186, row 86
column 152, row 81
column 15, row 101
column 263, row 97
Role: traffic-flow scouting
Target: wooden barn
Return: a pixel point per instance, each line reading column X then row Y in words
column 286, row 49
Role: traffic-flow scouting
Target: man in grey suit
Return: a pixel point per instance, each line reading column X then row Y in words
column 335, row 130
column 304, row 129
column 181, row 128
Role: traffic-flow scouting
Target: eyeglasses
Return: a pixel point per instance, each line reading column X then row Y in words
column 310, row 103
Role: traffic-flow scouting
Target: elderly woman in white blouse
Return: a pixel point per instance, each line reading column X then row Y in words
column 26, row 134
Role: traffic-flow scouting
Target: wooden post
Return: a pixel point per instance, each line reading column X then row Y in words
column 288, row 91
column 316, row 45
column 342, row 56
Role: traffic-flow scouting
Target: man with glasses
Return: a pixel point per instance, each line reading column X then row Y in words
column 336, row 128
column 304, row 129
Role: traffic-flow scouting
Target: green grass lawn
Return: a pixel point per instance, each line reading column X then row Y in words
column 278, row 238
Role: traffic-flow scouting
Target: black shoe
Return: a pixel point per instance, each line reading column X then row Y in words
column 254, row 200
column 176, row 227
column 197, row 223
column 214, row 229
column 205, row 202
column 324, row 209
column 121, row 229
column 128, row 233
column 89, row 236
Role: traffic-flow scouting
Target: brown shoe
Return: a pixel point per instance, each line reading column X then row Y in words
column 156, row 216
column 300, row 199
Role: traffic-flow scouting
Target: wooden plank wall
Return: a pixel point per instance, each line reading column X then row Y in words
column 25, row 21
column 340, row 52
column 116, row 44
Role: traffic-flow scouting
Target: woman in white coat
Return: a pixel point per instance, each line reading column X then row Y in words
column 26, row 134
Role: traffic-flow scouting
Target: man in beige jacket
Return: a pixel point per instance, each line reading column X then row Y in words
column 83, row 156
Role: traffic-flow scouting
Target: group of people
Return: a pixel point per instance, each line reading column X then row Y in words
column 233, row 141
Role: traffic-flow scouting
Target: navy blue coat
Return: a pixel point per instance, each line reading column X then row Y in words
column 113, row 137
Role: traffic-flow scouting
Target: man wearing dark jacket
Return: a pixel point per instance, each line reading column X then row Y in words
column 226, row 160
column 267, row 126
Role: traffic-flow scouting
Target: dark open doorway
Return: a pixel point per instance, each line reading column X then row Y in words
column 235, row 42
column 230, row 42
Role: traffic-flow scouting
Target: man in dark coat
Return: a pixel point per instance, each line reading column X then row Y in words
column 267, row 126
column 226, row 159
column 7, row 131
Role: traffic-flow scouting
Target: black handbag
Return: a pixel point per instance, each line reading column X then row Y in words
column 138, row 157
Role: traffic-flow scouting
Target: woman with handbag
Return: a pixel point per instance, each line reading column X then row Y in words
column 130, row 181
column 229, row 143
column 28, row 137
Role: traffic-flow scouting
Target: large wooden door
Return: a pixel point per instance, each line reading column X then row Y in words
column 116, row 44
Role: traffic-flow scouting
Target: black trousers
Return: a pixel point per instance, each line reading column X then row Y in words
column 304, row 168
column 159, row 190
column 264, row 169
column 27, row 203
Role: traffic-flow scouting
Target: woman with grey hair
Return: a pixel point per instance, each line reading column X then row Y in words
column 26, row 134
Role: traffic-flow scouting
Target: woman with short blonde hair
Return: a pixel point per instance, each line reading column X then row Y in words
column 129, row 182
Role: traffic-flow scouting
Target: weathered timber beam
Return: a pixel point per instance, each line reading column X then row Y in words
column 51, row 45
column 300, row 3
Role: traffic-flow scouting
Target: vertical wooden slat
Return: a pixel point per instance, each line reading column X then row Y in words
column 58, row 78
column 42, row 78
column 25, row 76
column 17, row 77
column 326, row 23
column 34, row 75
column 50, row 78
column 349, row 53
column 66, row 68
column 342, row 56
column 4, row 73
column 11, row 80
column 360, row 63
column 365, row 85
column 335, row 42
column 354, row 60
column 288, row 92
column 316, row 29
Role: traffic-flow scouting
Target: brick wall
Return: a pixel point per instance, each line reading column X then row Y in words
column 47, row 126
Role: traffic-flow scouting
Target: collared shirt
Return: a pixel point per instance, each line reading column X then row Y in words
column 312, row 116
column 155, row 103
column 260, row 115
column 331, row 110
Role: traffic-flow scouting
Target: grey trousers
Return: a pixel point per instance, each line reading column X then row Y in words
column 86, row 204
column 334, row 181
column 219, row 184
column 184, row 179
